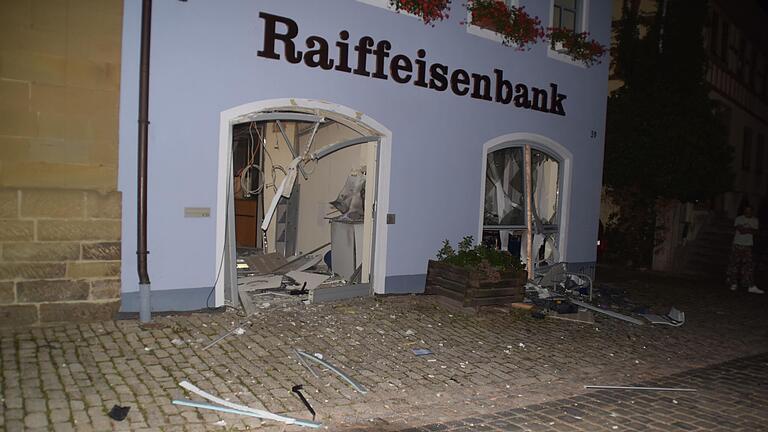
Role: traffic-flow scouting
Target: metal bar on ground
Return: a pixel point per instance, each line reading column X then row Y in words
column 264, row 414
column 305, row 364
column 639, row 388
column 333, row 369
column 607, row 312
column 193, row 404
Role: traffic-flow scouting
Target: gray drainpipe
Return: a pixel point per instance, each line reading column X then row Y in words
column 141, row 245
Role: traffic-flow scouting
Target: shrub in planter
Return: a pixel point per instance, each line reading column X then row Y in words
column 476, row 276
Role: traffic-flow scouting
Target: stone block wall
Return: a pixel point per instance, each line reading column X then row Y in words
column 59, row 256
column 59, row 209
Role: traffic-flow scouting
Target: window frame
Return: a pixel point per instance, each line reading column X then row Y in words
column 583, row 18
column 564, row 160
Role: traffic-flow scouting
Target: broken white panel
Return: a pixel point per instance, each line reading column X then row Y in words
column 313, row 280
column 258, row 283
column 284, row 190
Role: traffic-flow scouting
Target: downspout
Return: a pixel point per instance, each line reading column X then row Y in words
column 141, row 244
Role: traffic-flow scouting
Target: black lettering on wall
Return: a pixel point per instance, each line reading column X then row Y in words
column 343, row 64
column 421, row 69
column 363, row 48
column 381, row 53
column 271, row 36
column 315, row 57
column 438, row 77
column 521, row 96
column 540, row 99
column 460, row 82
column 401, row 63
column 481, row 87
column 504, row 91
column 556, row 103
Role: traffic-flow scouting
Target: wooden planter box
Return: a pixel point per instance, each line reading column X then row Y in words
column 473, row 288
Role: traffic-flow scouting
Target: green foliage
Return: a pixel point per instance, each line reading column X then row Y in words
column 475, row 256
column 664, row 138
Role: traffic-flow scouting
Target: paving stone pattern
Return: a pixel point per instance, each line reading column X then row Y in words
column 732, row 396
column 67, row 377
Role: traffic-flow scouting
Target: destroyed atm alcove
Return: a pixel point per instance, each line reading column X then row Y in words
column 302, row 186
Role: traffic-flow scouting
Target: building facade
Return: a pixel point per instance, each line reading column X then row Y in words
column 448, row 116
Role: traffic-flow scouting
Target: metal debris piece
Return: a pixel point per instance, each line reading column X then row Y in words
column 674, row 318
column 189, row 403
column 421, row 351
column 305, row 364
column 639, row 388
column 237, row 330
column 118, row 413
column 607, row 312
column 297, row 389
column 353, row 383
column 236, row 408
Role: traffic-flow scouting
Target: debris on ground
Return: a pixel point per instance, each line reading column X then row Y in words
column 233, row 408
column 421, row 352
column 297, row 389
column 317, row 358
column 674, row 318
column 606, row 387
column 118, row 413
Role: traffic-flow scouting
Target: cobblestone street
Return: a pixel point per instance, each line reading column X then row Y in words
column 501, row 369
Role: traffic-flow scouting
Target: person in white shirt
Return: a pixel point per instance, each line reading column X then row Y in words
column 740, row 266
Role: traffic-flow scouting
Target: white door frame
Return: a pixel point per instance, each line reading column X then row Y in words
column 226, row 122
column 536, row 141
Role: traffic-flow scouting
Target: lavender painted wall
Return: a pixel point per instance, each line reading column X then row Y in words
column 204, row 61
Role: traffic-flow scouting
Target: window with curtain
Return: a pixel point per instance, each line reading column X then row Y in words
column 565, row 14
column 505, row 223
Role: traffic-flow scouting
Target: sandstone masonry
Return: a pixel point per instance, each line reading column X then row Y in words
column 59, row 256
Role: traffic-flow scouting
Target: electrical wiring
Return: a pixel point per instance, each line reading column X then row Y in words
column 246, row 174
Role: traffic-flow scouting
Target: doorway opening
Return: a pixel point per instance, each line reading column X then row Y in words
column 523, row 200
column 302, row 217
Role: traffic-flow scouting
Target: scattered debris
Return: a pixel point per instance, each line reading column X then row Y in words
column 297, row 389
column 177, row 342
column 607, row 312
column 583, row 316
column 639, row 388
column 305, row 364
column 118, row 413
column 519, row 305
column 409, row 332
column 674, row 318
column 234, row 408
column 315, row 358
column 221, row 423
column 236, row 330
column 421, row 351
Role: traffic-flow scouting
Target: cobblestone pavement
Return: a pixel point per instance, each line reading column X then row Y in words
column 732, row 396
column 67, row 377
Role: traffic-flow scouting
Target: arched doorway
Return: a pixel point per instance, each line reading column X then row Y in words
column 306, row 117
column 526, row 198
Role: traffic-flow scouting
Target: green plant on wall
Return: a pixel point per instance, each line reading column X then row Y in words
column 470, row 255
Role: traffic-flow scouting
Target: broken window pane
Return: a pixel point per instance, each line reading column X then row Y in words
column 545, row 179
column 504, row 200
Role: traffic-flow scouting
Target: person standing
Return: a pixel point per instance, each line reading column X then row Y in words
column 740, row 266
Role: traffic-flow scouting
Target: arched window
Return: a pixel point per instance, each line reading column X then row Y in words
column 521, row 210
